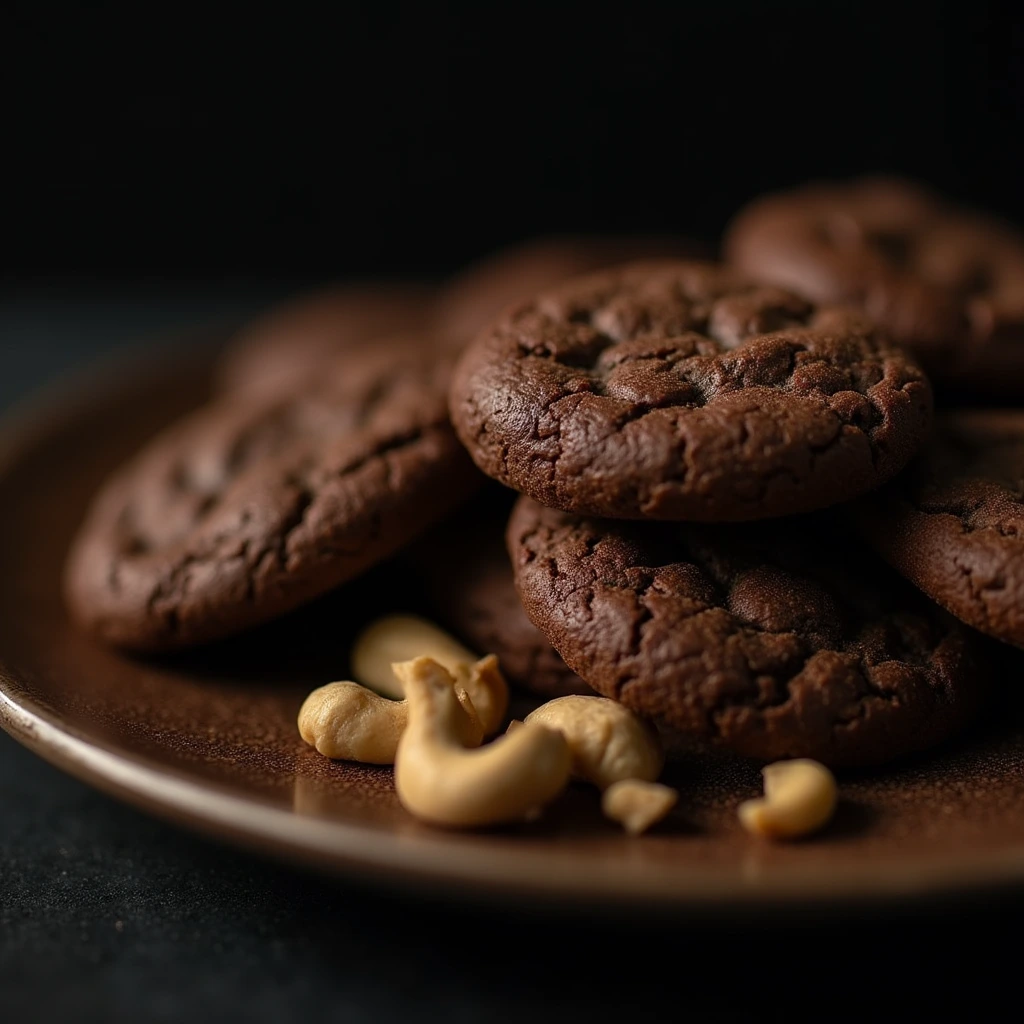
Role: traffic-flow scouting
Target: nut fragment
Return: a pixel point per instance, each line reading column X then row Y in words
column 487, row 689
column 438, row 780
column 399, row 638
column 346, row 721
column 608, row 742
column 799, row 798
column 636, row 804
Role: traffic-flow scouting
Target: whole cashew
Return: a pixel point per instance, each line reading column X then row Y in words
column 608, row 742
column 399, row 638
column 346, row 721
column 438, row 780
column 799, row 797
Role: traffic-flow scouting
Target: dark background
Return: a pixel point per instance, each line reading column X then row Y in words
column 163, row 165
column 160, row 141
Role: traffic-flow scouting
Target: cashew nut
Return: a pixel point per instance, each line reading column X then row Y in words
column 351, row 723
column 617, row 751
column 440, row 781
column 799, row 798
column 398, row 638
column 636, row 804
column 608, row 742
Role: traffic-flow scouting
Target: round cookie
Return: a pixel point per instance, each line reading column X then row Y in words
column 677, row 390
column 468, row 582
column 945, row 282
column 289, row 344
column 953, row 524
column 480, row 293
column 258, row 503
column 779, row 639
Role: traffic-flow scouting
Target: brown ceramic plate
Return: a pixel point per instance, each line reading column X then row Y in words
column 210, row 741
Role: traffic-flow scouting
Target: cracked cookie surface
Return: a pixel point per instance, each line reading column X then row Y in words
column 953, row 524
column 256, row 504
column 675, row 390
column 945, row 282
column 777, row 639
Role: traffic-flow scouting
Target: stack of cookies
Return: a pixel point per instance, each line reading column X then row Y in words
column 725, row 498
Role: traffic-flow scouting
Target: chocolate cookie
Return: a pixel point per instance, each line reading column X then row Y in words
column 947, row 283
column 781, row 639
column 259, row 503
column 479, row 294
column 953, row 524
column 469, row 588
column 291, row 343
column 682, row 391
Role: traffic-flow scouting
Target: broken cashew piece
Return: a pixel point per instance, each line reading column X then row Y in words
column 799, row 798
column 440, row 781
column 400, row 638
column 618, row 752
column 348, row 722
column 487, row 689
column 608, row 742
column 637, row 805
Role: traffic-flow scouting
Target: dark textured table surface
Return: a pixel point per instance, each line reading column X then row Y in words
column 107, row 914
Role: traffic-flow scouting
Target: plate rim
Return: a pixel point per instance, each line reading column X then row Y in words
column 371, row 853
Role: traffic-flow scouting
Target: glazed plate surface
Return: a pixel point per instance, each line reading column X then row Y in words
column 209, row 740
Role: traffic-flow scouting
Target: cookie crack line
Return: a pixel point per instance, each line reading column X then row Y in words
column 642, row 416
